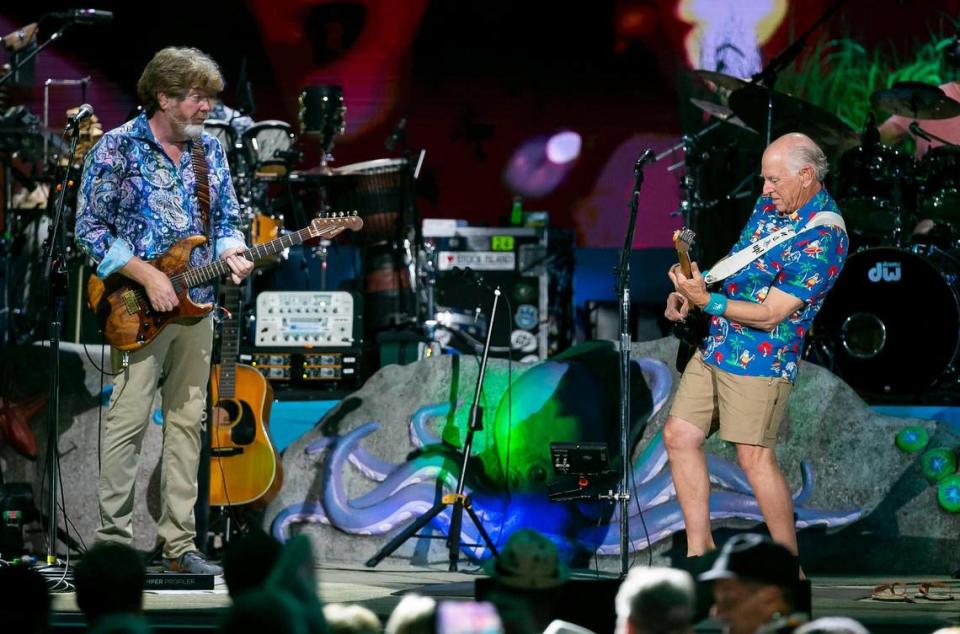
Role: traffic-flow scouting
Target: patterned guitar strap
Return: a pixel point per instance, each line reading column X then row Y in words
column 199, row 161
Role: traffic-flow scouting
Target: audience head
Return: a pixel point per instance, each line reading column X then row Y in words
column 754, row 581
column 265, row 610
column 248, row 561
column 529, row 561
column 415, row 614
column 656, row 601
column 24, row 600
column 351, row 619
column 109, row 579
column 834, row 625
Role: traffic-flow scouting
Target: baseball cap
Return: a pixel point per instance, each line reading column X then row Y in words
column 753, row 557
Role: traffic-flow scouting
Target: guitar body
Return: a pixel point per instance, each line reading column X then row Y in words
column 123, row 310
column 121, row 305
column 690, row 332
column 244, row 466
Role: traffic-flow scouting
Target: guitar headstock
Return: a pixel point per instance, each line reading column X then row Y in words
column 333, row 223
column 683, row 240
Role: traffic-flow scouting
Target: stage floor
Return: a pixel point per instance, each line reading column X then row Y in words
column 380, row 590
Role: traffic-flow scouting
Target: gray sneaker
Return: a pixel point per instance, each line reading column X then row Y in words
column 193, row 563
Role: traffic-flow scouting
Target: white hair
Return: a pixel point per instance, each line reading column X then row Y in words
column 351, row 619
column 832, row 625
column 656, row 600
column 802, row 152
column 415, row 614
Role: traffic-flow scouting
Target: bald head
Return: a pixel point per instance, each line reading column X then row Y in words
column 793, row 170
column 799, row 151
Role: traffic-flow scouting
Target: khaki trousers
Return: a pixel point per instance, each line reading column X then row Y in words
column 178, row 360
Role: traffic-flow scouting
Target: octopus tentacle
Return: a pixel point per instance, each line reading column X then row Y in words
column 368, row 464
column 303, row 513
column 665, row 519
column 659, row 379
column 420, row 434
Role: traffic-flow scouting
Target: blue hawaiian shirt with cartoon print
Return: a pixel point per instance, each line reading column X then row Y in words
column 806, row 267
column 134, row 201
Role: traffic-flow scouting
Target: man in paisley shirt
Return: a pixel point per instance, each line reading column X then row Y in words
column 137, row 198
column 741, row 377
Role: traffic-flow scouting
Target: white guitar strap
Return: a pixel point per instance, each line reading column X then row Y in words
column 736, row 261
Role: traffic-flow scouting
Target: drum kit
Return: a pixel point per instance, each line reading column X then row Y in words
column 891, row 325
column 263, row 161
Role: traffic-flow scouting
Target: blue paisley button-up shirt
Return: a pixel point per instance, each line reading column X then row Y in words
column 805, row 267
column 133, row 201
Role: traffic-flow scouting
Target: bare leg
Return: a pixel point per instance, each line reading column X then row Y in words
column 688, row 467
column 772, row 493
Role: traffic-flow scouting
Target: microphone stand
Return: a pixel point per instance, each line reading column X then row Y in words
column 459, row 500
column 56, row 266
column 623, row 291
column 21, row 61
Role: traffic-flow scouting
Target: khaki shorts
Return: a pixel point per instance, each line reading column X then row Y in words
column 748, row 408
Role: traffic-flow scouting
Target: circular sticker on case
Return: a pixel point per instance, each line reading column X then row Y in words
column 523, row 340
column 526, row 317
column 530, row 358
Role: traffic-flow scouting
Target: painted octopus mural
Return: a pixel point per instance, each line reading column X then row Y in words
column 555, row 401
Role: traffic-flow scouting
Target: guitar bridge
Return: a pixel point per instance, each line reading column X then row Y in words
column 130, row 303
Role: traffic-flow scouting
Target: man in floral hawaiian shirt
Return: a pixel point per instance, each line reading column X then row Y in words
column 137, row 198
column 744, row 371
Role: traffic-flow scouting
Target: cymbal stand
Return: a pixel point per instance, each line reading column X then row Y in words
column 767, row 77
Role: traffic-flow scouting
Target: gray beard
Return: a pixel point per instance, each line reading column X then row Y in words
column 193, row 130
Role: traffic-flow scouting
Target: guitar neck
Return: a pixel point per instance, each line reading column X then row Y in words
column 217, row 268
column 229, row 340
column 684, row 259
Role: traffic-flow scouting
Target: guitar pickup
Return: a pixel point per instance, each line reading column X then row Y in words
column 130, row 303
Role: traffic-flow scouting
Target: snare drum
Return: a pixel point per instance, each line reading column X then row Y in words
column 874, row 185
column 377, row 190
column 891, row 319
column 939, row 177
column 265, row 146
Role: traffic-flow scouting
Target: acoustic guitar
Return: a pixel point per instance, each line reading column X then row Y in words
column 126, row 318
column 692, row 330
column 244, row 466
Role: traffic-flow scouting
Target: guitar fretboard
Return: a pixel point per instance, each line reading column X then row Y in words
column 229, row 340
column 217, row 268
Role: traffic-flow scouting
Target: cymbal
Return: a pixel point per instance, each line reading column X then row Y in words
column 917, row 100
column 727, row 82
column 793, row 115
column 721, row 112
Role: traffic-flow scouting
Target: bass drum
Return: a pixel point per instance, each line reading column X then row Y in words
column 892, row 318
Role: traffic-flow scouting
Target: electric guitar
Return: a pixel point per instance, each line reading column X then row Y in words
column 696, row 326
column 244, row 466
column 129, row 322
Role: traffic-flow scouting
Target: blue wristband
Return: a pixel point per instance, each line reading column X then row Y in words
column 716, row 305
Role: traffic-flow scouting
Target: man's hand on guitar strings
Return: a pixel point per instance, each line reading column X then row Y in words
column 693, row 288
column 678, row 307
column 160, row 291
column 240, row 267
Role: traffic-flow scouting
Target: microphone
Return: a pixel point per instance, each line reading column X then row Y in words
column 648, row 156
column 918, row 131
column 397, row 134
column 85, row 16
column 83, row 112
